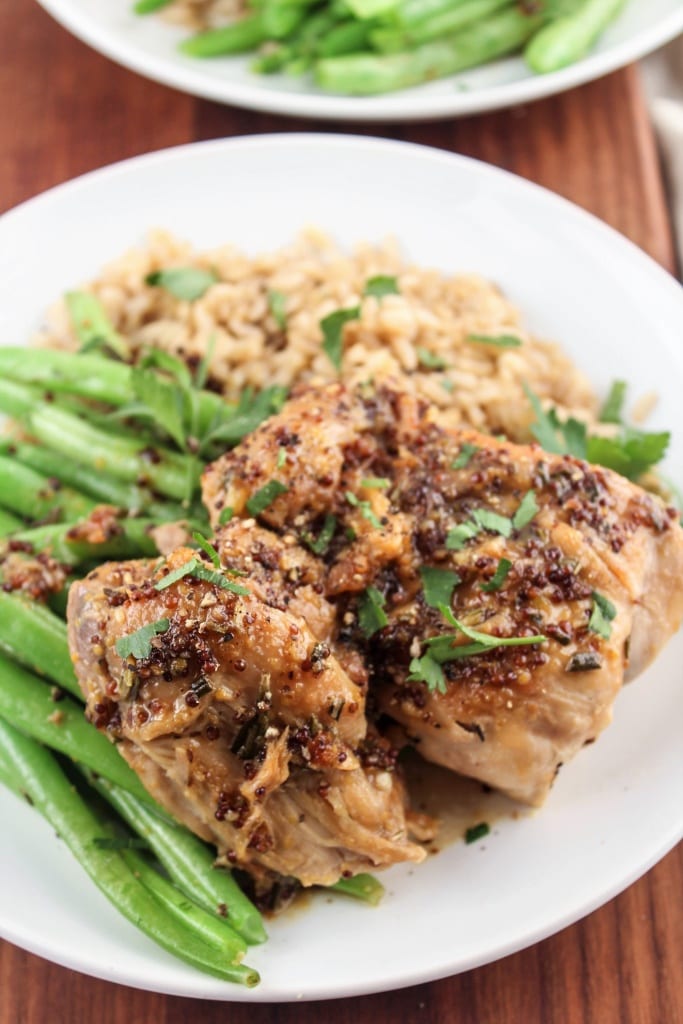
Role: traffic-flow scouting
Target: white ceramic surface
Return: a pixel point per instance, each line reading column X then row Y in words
column 149, row 46
column 617, row 808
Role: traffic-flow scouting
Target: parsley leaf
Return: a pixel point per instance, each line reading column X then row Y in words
column 186, row 283
column 438, row 585
column 332, row 327
column 365, row 509
column 430, row 360
column 614, row 403
column 277, row 304
column 457, row 536
column 499, row 341
column 382, row 284
column 321, row 543
column 528, row 507
column 371, row 614
column 226, row 515
column 264, row 497
column 427, row 670
column 497, row 581
column 139, row 644
column 281, row 458
column 375, row 482
column 602, row 615
column 489, row 520
column 631, row 453
column 466, row 452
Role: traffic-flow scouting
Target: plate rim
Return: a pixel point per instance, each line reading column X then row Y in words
column 403, row 106
column 665, row 841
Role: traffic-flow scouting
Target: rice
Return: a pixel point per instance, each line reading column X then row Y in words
column 198, row 15
column 418, row 337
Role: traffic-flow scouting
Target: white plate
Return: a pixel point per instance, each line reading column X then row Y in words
column 617, row 808
column 149, row 46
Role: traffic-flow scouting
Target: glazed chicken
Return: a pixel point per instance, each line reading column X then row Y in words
column 430, row 534
column 237, row 716
column 372, row 572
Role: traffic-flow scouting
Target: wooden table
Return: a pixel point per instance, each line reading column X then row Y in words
column 66, row 110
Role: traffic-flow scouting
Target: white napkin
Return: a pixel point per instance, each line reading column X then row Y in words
column 663, row 74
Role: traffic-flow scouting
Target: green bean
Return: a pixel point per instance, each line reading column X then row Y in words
column 93, row 483
column 392, row 40
column 361, row 887
column 42, row 782
column 132, row 539
column 124, row 459
column 347, row 37
column 34, row 496
column 211, row 929
column 34, row 636
column 147, row 6
column 27, row 703
column 568, row 39
column 91, row 324
column 8, row 523
column 188, row 861
column 361, row 74
column 92, row 377
column 238, row 37
column 412, row 12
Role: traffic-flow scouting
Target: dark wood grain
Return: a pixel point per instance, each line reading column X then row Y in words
column 66, row 110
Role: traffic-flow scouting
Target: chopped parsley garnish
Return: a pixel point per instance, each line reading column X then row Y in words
column 427, row 670
column 187, row 283
column 139, row 644
column 365, row 509
column 277, row 304
column 458, row 536
column 438, row 585
column 430, row 360
column 195, row 568
column 464, row 456
column 321, row 543
column 226, row 515
column 632, row 452
column 497, row 340
column 447, row 384
column 603, row 614
column 382, row 284
column 528, row 507
column 477, row 832
column 332, row 327
column 371, row 614
column 442, row 649
column 209, row 549
column 281, row 458
column 614, row 403
column 497, row 581
column 264, row 497
column 379, row 483
column 489, row 520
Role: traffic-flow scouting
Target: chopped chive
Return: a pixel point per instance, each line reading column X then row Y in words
column 226, row 515
column 477, row 832
column 375, row 482
column 265, row 497
column 321, row 543
column 498, row 341
column 209, row 549
column 464, row 456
